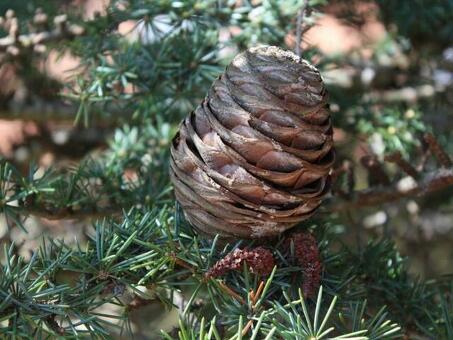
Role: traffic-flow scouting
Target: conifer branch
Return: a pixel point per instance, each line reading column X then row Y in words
column 432, row 182
column 151, row 253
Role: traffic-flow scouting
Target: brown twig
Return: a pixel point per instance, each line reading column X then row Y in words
column 247, row 327
column 375, row 169
column 40, row 111
column 404, row 165
column 183, row 263
column 57, row 111
column 432, row 182
column 231, row 292
column 254, row 296
column 67, row 213
column 437, row 150
column 407, row 94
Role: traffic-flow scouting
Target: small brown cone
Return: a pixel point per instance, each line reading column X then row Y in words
column 254, row 158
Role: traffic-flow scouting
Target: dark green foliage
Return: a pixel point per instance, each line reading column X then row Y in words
column 140, row 248
column 60, row 283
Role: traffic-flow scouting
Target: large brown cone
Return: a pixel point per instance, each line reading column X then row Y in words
column 254, row 158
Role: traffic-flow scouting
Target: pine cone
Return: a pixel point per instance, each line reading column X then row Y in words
column 254, row 158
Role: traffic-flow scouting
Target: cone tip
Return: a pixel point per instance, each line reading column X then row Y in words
column 274, row 51
column 277, row 53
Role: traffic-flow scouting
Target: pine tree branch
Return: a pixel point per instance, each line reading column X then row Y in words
column 61, row 112
column 403, row 164
column 431, row 182
column 67, row 213
column 442, row 157
column 40, row 111
column 408, row 94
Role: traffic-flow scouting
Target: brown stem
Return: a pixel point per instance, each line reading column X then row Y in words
column 404, row 165
column 432, row 182
column 60, row 112
column 408, row 94
column 376, row 171
column 231, row 292
column 67, row 213
column 437, row 150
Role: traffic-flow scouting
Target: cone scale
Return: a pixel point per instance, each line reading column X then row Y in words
column 254, row 158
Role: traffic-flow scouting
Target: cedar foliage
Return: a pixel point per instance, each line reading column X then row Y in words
column 331, row 278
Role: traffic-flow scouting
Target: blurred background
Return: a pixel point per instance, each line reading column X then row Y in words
column 388, row 66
